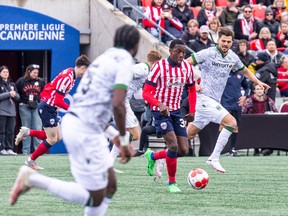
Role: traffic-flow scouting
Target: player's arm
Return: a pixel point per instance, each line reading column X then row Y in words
column 119, row 110
column 248, row 74
column 61, row 90
column 148, row 95
column 59, row 100
column 149, row 92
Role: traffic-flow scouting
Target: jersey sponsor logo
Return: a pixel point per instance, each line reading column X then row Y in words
column 52, row 121
column 163, row 125
column 175, row 82
column 221, row 65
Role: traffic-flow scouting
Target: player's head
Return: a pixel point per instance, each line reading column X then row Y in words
column 153, row 56
column 81, row 65
column 226, row 37
column 177, row 51
column 127, row 37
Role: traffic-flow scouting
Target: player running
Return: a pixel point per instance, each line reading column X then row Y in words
column 140, row 73
column 163, row 91
column 100, row 94
column 52, row 98
column 216, row 64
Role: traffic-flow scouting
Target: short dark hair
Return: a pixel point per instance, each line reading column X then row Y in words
column 226, row 31
column 175, row 42
column 271, row 39
column 82, row 60
column 127, row 36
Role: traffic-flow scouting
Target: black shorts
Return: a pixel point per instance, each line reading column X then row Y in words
column 48, row 115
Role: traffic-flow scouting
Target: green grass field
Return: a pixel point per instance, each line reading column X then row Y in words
column 251, row 186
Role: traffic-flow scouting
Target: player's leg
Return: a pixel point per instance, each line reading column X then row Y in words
column 28, row 178
column 37, row 132
column 192, row 130
column 134, row 132
column 144, row 139
column 237, row 115
column 229, row 123
column 51, row 127
column 163, row 125
column 110, row 191
column 91, row 163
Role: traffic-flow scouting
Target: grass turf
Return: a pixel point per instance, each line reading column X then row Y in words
column 251, row 186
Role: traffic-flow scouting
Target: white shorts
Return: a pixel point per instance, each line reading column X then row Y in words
column 131, row 119
column 208, row 110
column 88, row 153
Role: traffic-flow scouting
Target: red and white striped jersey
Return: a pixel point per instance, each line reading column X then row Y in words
column 170, row 80
column 61, row 84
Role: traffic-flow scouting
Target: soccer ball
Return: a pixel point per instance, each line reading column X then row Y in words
column 198, row 178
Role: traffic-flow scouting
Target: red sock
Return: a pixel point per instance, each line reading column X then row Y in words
column 40, row 134
column 42, row 149
column 171, row 163
column 160, row 155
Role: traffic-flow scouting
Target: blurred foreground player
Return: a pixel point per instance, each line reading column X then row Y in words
column 100, row 94
column 52, row 98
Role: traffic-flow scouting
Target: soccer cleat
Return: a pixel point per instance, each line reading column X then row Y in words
column 21, row 184
column 173, row 188
column 159, row 167
column 151, row 163
column 215, row 164
column 23, row 134
column 118, row 171
column 32, row 164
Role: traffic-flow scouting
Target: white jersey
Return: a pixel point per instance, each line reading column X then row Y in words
column 93, row 98
column 140, row 73
column 215, row 69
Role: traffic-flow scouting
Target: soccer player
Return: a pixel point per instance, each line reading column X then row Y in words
column 140, row 73
column 52, row 98
column 163, row 90
column 216, row 64
column 101, row 92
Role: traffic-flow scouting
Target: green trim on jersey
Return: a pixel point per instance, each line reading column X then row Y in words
column 147, row 65
column 194, row 59
column 223, row 54
column 241, row 68
column 120, row 86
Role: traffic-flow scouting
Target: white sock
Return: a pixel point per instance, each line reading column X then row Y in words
column 221, row 142
column 98, row 210
column 69, row 191
column 115, row 151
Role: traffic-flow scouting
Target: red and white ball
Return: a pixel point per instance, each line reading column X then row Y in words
column 198, row 178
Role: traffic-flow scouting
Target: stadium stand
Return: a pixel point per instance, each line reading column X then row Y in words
column 125, row 8
column 195, row 11
column 146, row 3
